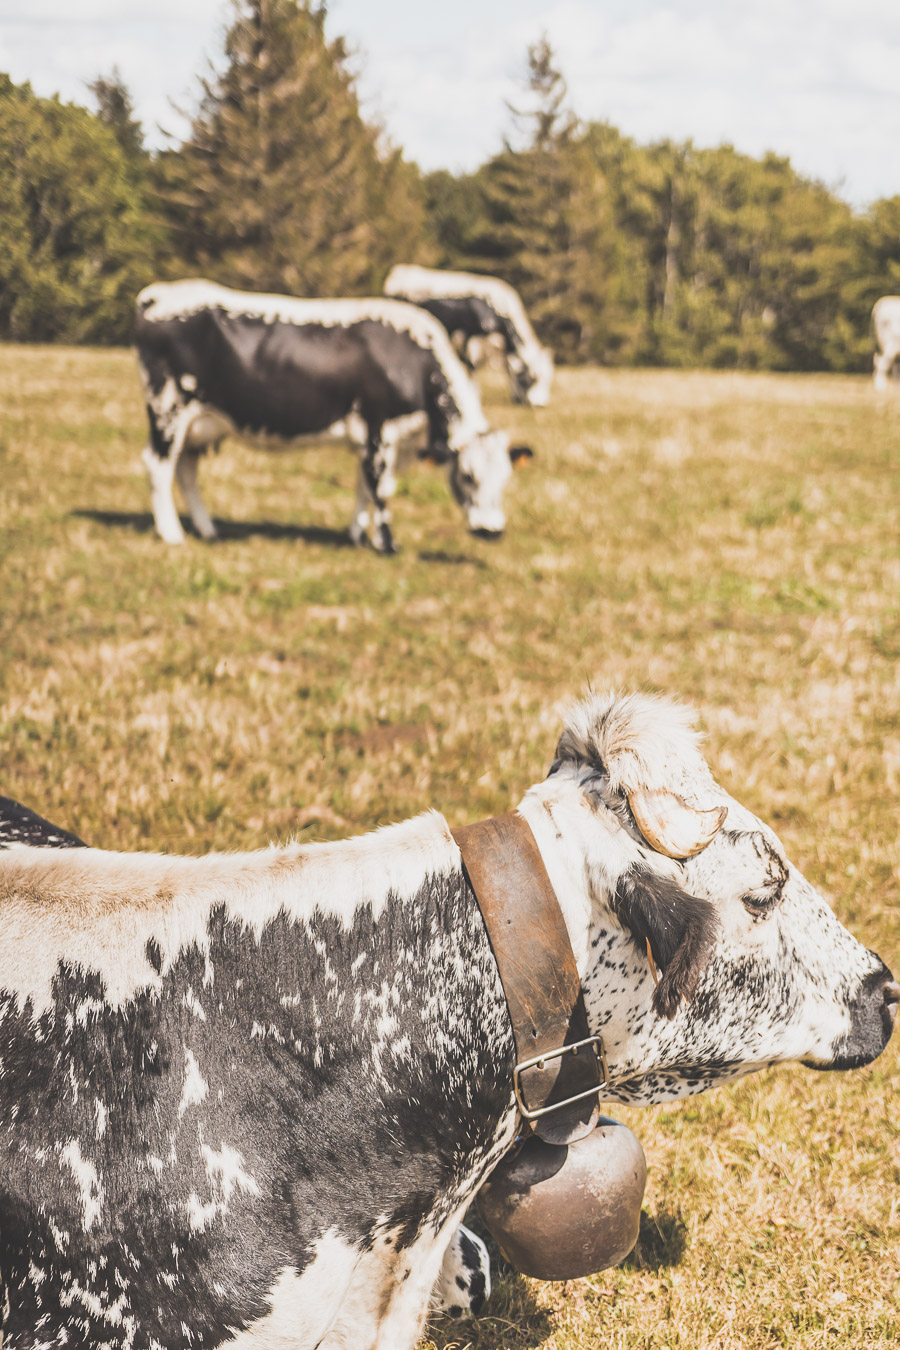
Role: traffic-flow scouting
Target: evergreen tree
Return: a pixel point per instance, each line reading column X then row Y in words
column 546, row 219
column 281, row 185
column 116, row 111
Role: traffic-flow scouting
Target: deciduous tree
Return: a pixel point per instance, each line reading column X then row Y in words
column 75, row 244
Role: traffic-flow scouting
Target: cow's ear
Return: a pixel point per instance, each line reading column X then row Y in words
column 520, row 455
column 680, row 928
column 436, row 454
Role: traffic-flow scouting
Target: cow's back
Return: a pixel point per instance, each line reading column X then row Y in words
column 267, row 378
column 280, row 368
column 172, row 1147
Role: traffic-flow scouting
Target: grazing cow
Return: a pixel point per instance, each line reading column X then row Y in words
column 472, row 307
column 886, row 322
column 276, row 370
column 247, row 1098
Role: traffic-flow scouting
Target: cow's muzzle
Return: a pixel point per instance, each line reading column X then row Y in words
column 485, row 522
column 873, row 1013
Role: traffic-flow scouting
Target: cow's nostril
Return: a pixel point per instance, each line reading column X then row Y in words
column 891, row 994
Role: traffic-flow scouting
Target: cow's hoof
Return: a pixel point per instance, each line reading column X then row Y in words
column 464, row 1283
column 384, row 540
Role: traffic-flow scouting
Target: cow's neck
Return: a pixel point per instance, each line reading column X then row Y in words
column 556, row 810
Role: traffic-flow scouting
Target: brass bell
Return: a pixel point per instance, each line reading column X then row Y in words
column 560, row 1211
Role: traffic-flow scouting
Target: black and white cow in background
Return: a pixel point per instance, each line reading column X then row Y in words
column 886, row 322
column 471, row 307
column 247, row 1098
column 277, row 371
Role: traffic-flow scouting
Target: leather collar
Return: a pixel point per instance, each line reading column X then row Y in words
column 560, row 1066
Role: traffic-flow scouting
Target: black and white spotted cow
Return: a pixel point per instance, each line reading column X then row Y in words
column 472, row 307
column 886, row 323
column 279, row 371
column 464, row 1282
column 246, row 1099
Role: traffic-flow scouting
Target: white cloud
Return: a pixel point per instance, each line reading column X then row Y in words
column 814, row 79
column 158, row 45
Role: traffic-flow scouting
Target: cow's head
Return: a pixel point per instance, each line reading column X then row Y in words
column 708, row 954
column 478, row 474
column 530, row 375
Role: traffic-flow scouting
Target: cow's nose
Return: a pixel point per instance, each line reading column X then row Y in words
column 891, row 992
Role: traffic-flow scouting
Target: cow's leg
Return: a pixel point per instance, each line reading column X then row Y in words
column 884, row 364
column 376, row 484
column 161, row 472
column 464, row 1281
column 186, row 473
column 359, row 525
column 404, row 1318
column 881, row 370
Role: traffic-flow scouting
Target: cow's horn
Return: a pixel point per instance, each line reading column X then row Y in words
column 671, row 826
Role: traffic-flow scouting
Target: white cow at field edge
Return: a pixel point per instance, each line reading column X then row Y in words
column 886, row 322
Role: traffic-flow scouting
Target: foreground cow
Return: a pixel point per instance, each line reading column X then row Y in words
column 247, row 1098
column 277, row 371
column 464, row 1281
column 886, row 322
column 472, row 307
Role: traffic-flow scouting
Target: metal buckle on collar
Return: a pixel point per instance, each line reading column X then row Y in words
column 539, row 1062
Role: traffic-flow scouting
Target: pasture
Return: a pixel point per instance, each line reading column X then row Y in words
column 729, row 539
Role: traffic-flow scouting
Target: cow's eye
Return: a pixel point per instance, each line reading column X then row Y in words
column 760, row 904
column 468, row 479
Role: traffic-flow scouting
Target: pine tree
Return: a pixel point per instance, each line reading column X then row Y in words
column 547, row 220
column 115, row 110
column 281, row 185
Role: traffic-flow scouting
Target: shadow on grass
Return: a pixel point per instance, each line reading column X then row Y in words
column 662, row 1240
column 512, row 1316
column 511, row 1319
column 141, row 522
column 451, row 559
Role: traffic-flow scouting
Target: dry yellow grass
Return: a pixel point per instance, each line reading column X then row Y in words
column 730, row 539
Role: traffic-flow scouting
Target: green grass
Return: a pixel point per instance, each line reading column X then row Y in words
column 729, row 539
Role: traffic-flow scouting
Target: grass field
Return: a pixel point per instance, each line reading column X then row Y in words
column 733, row 540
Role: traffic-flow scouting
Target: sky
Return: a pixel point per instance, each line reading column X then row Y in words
column 818, row 80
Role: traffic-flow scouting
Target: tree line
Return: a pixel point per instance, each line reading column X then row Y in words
column 661, row 254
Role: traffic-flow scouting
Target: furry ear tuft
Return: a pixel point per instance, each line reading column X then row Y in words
column 681, row 929
column 639, row 740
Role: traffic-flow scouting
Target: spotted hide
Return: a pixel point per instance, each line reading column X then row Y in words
column 464, row 1281
column 473, row 307
column 279, row 371
column 247, row 1098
